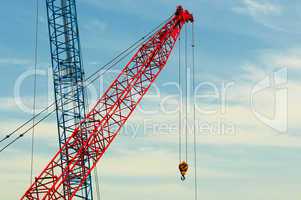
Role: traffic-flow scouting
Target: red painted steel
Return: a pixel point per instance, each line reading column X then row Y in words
column 110, row 113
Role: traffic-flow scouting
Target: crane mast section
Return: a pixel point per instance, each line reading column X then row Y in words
column 103, row 123
column 68, row 79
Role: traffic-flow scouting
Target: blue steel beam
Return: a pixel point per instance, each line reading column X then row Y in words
column 68, row 77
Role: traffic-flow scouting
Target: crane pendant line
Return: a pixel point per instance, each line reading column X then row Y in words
column 110, row 113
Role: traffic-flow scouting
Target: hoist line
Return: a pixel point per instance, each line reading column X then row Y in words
column 180, row 102
column 186, row 94
column 194, row 112
column 112, row 63
column 34, row 88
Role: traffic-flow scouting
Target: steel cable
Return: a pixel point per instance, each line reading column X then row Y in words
column 194, row 113
column 34, row 87
column 180, row 103
column 186, row 94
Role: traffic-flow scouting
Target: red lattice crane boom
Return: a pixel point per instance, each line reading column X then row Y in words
column 112, row 110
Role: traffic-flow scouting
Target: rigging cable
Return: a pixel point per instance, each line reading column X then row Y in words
column 34, row 88
column 194, row 112
column 112, row 63
column 96, row 175
column 22, row 134
column 27, row 122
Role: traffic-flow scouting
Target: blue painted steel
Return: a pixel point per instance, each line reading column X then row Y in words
column 68, row 76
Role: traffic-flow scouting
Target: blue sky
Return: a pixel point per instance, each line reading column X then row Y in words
column 239, row 43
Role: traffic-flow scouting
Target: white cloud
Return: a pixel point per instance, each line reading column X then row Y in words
column 238, row 111
column 23, row 104
column 279, row 16
column 290, row 58
column 148, row 160
column 95, row 26
column 145, row 164
column 14, row 61
column 255, row 7
column 15, row 172
column 44, row 131
column 8, row 104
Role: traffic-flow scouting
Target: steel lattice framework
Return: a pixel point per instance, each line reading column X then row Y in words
column 68, row 79
column 103, row 123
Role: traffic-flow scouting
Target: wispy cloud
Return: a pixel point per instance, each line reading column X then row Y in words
column 23, row 104
column 255, row 8
column 14, row 61
column 276, row 15
column 95, row 26
column 290, row 58
column 8, row 104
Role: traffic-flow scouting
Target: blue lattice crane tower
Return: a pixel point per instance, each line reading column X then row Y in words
column 68, row 76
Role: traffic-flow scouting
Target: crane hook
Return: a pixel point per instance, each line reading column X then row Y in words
column 183, row 167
